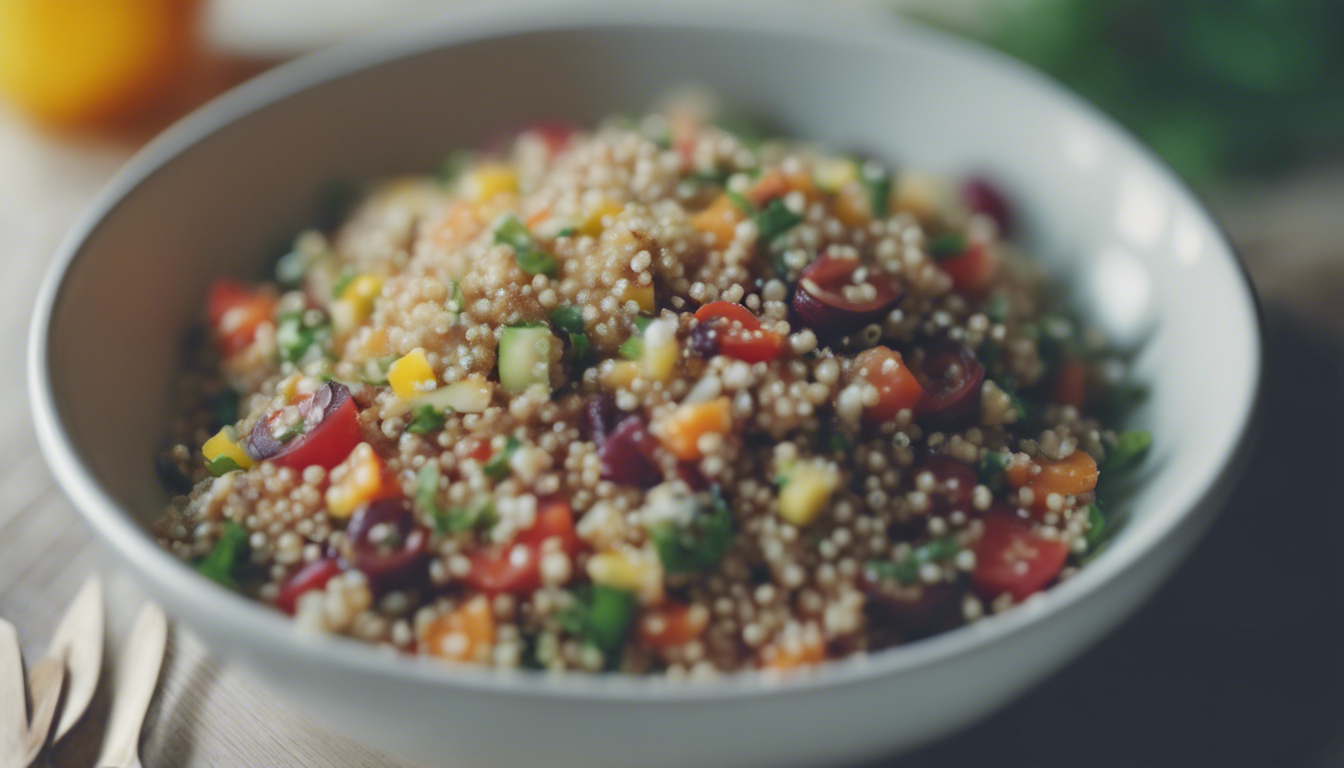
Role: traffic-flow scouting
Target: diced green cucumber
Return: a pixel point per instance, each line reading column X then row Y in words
column 525, row 358
column 470, row 395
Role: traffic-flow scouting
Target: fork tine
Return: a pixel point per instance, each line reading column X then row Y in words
column 44, row 685
column 13, row 701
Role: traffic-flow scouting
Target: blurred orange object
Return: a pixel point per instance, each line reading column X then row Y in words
column 91, row 62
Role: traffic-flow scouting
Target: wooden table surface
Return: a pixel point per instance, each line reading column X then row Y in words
column 208, row 713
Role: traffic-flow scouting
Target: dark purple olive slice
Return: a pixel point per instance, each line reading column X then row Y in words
column 953, row 484
column 627, row 455
column 832, row 303
column 982, row 196
column 951, row 376
column 917, row 610
column 600, row 415
column 704, row 340
column 270, row 439
column 384, row 541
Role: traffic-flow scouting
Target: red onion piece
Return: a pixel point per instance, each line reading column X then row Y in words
column 398, row 556
column 951, row 376
column 627, row 455
column 821, row 304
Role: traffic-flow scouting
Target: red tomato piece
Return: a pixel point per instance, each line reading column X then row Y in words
column 516, row 568
column 972, row 269
column 312, row 576
column 326, row 444
column 897, row 386
column 235, row 312
column 1070, row 384
column 1013, row 558
column 556, row 133
column 740, row 332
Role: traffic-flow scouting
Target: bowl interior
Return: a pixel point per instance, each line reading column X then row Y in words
column 215, row 195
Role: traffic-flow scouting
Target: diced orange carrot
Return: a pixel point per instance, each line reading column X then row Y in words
column 1019, row 473
column 538, row 218
column 681, row 432
column 673, row 624
column 460, row 223
column 897, row 387
column 777, row 184
column 466, row 634
column 810, row 651
column 1068, row 476
column 851, row 206
column 720, row 220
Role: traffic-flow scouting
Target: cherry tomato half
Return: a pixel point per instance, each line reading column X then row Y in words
column 235, row 312
column 1013, row 558
column 516, row 567
column 739, row 333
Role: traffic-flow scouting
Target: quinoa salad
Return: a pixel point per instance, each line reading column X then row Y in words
column 664, row 396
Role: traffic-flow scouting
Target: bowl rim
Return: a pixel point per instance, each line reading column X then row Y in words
column 268, row 628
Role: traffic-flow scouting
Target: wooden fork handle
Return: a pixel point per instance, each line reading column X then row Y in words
column 137, row 676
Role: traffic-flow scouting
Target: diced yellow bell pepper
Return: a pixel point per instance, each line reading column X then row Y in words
column 660, row 353
column 641, row 295
column 807, row 491
column 411, row 376
column 486, row 182
column 225, row 443
column 832, row 173
column 621, row 374
column 633, row 571
column 592, row 224
column 356, row 481
column 361, row 293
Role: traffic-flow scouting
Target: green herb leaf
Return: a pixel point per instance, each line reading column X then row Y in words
column 347, row 277
column 1129, row 450
column 427, row 488
column 299, row 340
column 225, row 556
column 567, row 318
column 713, row 178
column 290, row 269
column 947, row 247
column 530, row 258
column 876, row 181
column 991, row 469
column 426, row 419
column 907, row 570
column 223, row 465
column 1122, row 400
column 997, row 308
column 453, row 165
column 458, row 303
column 698, row 546
column 1096, row 526
column 581, row 347
column 498, row 465
column 601, row 615
column 775, row 220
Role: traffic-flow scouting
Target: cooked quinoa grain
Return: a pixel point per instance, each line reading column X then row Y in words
column 652, row 398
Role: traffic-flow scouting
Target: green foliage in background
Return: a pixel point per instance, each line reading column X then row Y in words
column 1218, row 87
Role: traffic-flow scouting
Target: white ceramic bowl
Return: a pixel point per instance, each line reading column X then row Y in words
column 211, row 195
